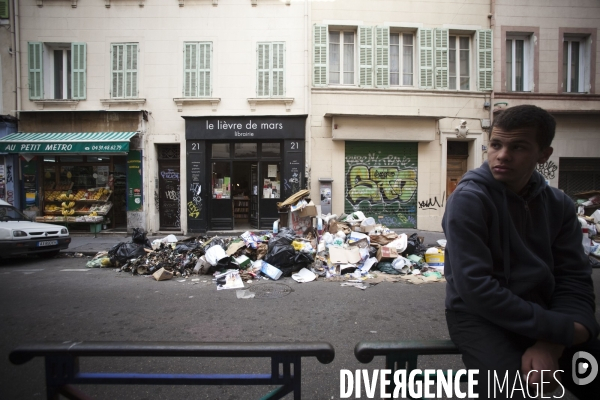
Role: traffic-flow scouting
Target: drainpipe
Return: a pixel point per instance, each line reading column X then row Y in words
column 307, row 91
column 492, row 25
column 17, row 47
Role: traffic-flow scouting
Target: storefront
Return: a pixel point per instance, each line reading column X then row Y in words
column 239, row 168
column 75, row 178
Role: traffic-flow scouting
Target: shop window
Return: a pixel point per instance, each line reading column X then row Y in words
column 71, row 158
column 49, row 158
column 245, row 150
column 220, row 150
column 271, row 150
column 271, row 180
column 99, row 159
column 221, row 180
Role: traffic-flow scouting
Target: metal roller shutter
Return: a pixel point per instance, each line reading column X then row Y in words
column 381, row 181
column 575, row 174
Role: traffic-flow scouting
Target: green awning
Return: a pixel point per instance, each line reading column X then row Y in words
column 71, row 142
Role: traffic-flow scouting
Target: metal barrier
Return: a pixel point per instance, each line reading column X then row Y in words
column 403, row 355
column 62, row 364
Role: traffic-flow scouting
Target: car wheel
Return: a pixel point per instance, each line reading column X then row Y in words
column 49, row 254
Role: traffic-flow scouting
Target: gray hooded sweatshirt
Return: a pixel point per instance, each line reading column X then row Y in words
column 517, row 260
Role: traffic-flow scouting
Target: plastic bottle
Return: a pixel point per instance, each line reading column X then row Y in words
column 586, row 238
column 275, row 227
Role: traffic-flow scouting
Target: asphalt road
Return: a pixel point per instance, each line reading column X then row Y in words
column 42, row 301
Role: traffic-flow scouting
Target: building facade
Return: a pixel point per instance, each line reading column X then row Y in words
column 189, row 115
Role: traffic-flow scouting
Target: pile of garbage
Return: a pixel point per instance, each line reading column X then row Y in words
column 350, row 248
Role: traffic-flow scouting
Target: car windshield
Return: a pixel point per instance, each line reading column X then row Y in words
column 9, row 213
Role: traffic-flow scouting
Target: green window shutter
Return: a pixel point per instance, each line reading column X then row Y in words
column 320, row 33
column 78, row 68
column 426, row 58
column 117, row 70
column 382, row 56
column 365, row 41
column 441, row 58
column 204, row 69
column 4, row 9
column 263, row 69
column 36, row 70
column 131, row 70
column 278, row 69
column 190, row 69
column 484, row 59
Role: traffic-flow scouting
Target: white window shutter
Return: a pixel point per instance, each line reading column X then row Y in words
column 320, row 45
column 263, row 69
column 36, row 69
column 441, row 58
column 382, row 56
column 278, row 69
column 131, row 70
column 426, row 58
column 365, row 55
column 484, row 59
column 117, row 74
column 78, row 71
column 204, row 69
column 190, row 69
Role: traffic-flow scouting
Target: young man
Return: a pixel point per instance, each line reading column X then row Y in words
column 519, row 297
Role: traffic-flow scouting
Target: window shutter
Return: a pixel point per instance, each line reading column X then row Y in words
column 426, row 58
column 36, row 75
column 78, row 68
column 4, row 9
column 263, row 84
column 204, row 69
column 190, row 69
column 365, row 42
column 441, row 58
column 382, row 56
column 320, row 55
column 484, row 56
column 117, row 75
column 131, row 72
column 278, row 69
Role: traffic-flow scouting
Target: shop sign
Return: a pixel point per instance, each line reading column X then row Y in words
column 63, row 147
column 244, row 128
column 134, row 180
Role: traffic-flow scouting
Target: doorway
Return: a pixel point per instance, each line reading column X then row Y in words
column 456, row 166
column 169, row 190
column 241, row 190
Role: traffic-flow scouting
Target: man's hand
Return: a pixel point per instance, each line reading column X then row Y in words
column 580, row 334
column 542, row 356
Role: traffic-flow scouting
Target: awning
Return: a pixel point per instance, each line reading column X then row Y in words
column 71, row 142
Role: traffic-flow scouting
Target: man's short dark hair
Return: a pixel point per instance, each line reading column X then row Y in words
column 528, row 116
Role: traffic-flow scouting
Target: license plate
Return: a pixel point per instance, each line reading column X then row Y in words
column 48, row 243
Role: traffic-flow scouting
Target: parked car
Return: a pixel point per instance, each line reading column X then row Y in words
column 19, row 235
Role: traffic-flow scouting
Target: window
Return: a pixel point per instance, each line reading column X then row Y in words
column 124, row 70
column 4, row 9
column 459, row 71
column 270, row 69
column 57, row 70
column 401, row 59
column 341, row 57
column 197, row 58
column 575, row 65
column 518, row 64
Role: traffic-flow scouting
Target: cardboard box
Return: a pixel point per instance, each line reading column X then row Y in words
column 299, row 224
column 339, row 255
column 309, row 211
column 386, row 252
column 162, row 275
column 435, row 260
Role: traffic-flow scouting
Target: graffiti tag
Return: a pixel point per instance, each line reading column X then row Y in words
column 193, row 211
column 547, row 169
column 9, row 176
column 172, row 195
column 432, row 204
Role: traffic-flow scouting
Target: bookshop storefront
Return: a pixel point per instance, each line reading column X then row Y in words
column 239, row 168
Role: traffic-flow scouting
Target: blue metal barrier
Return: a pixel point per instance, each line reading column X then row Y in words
column 62, row 364
column 403, row 355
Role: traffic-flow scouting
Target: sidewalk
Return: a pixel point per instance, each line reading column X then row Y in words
column 89, row 245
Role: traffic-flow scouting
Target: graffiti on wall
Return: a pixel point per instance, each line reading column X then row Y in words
column 432, row 204
column 382, row 187
column 194, row 206
column 547, row 169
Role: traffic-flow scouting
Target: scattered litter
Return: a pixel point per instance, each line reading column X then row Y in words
column 231, row 280
column 190, row 297
column 181, row 280
column 196, row 280
column 373, row 331
column 75, row 270
column 162, row 275
column 244, row 294
column 356, row 285
column 304, row 275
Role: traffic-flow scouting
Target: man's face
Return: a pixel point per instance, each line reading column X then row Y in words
column 513, row 155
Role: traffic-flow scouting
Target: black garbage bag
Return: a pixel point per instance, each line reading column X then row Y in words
column 123, row 252
column 223, row 265
column 285, row 237
column 386, row 268
column 413, row 245
column 186, row 247
column 281, row 256
column 139, row 236
column 372, row 251
column 213, row 242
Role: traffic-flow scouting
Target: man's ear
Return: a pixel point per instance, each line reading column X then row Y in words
column 546, row 153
